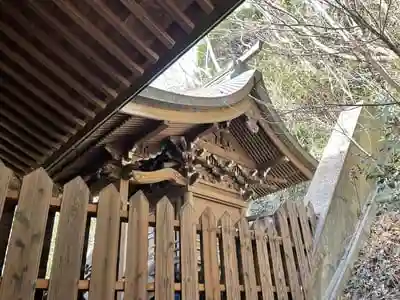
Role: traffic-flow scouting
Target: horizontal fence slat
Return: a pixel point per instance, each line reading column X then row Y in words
column 188, row 252
column 83, row 285
column 230, row 263
column 68, row 248
column 105, row 251
column 209, row 248
column 248, row 270
column 165, row 244
column 25, row 245
column 137, row 247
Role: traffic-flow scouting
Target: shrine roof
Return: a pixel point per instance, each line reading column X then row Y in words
column 67, row 67
column 259, row 140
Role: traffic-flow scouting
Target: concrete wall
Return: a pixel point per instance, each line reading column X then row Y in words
column 343, row 198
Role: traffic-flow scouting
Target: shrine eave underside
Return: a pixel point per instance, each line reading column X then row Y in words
column 67, row 67
column 155, row 115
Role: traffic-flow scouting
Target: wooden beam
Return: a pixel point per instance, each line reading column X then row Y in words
column 172, row 9
column 167, row 174
column 60, row 51
column 58, row 90
column 138, row 11
column 79, row 44
column 214, row 149
column 13, row 163
column 20, row 147
column 40, row 94
column 26, row 137
column 98, row 35
column 206, row 5
column 25, row 113
column 129, row 34
column 45, row 113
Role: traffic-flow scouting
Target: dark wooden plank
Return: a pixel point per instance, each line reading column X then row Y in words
column 246, row 250
column 105, row 251
column 298, row 242
column 230, row 267
column 6, row 210
column 68, row 248
column 5, row 179
column 264, row 267
column 25, row 246
column 165, row 244
column 209, row 248
column 137, row 247
column 188, row 248
column 277, row 265
column 283, row 229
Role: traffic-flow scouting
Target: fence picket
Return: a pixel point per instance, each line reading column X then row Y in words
column 137, row 246
column 165, row 244
column 306, row 231
column 283, row 229
column 25, row 245
column 105, row 251
column 210, row 256
column 297, row 240
column 263, row 261
column 230, row 267
column 188, row 253
column 246, row 249
column 277, row 265
column 68, row 249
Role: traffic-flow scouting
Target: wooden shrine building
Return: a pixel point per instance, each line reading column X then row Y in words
column 225, row 142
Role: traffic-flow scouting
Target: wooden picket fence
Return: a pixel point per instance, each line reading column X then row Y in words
column 264, row 259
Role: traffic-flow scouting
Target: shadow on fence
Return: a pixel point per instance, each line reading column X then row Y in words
column 197, row 259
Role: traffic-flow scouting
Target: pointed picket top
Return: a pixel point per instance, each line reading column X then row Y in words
column 208, row 216
column 187, row 208
column 138, row 200
column 77, row 186
column 164, row 204
column 225, row 220
column 5, row 179
column 109, row 191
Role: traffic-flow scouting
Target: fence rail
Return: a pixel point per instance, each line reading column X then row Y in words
column 263, row 259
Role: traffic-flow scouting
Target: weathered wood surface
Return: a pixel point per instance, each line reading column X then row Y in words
column 6, row 211
column 246, row 250
column 264, row 267
column 291, row 270
column 165, row 244
column 188, row 253
column 277, row 265
column 296, row 238
column 230, row 267
column 105, row 251
column 25, row 246
column 137, row 247
column 252, row 252
column 67, row 257
column 210, row 256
